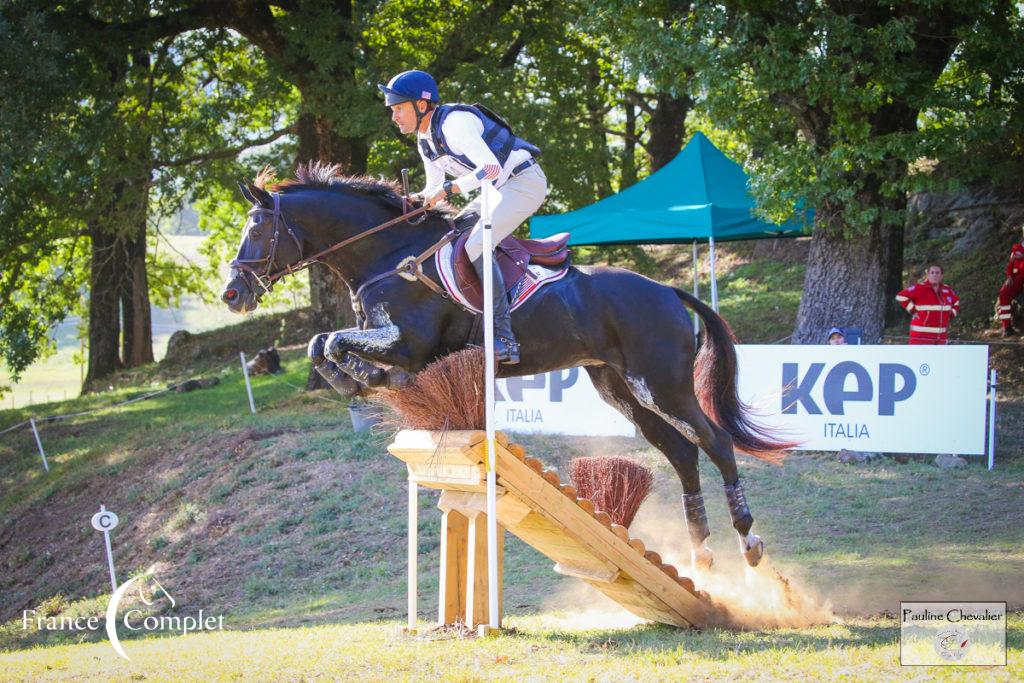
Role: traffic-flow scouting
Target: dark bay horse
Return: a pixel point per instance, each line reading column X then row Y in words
column 632, row 334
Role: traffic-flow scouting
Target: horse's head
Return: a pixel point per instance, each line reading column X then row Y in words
column 269, row 246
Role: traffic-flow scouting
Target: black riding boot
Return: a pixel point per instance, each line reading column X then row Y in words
column 506, row 349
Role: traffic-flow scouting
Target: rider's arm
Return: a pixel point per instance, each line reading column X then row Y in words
column 464, row 134
column 435, row 176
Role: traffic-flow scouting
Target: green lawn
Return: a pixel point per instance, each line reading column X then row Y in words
column 534, row 648
column 293, row 527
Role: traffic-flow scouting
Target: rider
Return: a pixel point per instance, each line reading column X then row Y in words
column 472, row 144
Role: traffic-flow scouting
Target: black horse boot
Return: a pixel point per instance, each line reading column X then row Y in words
column 506, row 349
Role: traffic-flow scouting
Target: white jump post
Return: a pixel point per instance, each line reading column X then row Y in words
column 248, row 385
column 39, row 443
column 696, row 290
column 714, row 280
column 991, row 419
column 492, row 491
column 413, row 552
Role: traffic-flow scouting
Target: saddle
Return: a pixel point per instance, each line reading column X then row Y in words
column 514, row 257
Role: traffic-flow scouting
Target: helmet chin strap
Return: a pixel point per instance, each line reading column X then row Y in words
column 421, row 115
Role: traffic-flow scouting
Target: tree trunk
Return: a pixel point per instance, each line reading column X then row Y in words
column 667, row 128
column 329, row 296
column 137, row 340
column 894, row 313
column 628, row 175
column 104, row 306
column 843, row 282
column 603, row 160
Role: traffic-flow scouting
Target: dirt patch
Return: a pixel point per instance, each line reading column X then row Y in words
column 207, row 511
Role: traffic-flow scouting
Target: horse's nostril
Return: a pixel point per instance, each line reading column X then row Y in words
column 230, row 295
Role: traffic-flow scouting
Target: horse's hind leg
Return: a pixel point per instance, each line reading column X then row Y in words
column 680, row 453
column 671, row 397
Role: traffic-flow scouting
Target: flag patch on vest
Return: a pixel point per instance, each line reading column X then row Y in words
column 488, row 172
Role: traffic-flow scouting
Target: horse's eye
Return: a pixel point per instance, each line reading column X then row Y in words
column 257, row 218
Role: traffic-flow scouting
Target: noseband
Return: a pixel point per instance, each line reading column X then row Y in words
column 259, row 269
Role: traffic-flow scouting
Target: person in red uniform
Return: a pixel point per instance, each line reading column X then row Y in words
column 1011, row 287
column 933, row 306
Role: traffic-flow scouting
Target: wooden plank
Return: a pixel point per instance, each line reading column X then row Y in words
column 519, row 478
column 421, row 439
column 544, row 514
column 540, row 533
column 586, row 573
column 477, row 609
column 451, row 599
column 510, row 509
column 638, row 600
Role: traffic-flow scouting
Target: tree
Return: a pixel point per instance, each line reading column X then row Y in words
column 829, row 94
column 105, row 137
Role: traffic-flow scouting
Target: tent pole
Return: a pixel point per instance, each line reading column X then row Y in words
column 714, row 280
column 696, row 290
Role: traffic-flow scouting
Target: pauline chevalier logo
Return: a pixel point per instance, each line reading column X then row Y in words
column 953, row 644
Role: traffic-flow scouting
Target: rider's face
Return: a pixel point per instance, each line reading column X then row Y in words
column 404, row 116
column 935, row 276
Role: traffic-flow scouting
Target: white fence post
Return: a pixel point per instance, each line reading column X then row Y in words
column 991, row 419
column 413, row 552
column 248, row 386
column 42, row 454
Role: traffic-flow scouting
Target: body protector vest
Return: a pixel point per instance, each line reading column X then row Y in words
column 498, row 135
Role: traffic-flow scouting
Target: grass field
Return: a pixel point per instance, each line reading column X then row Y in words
column 535, row 648
column 293, row 528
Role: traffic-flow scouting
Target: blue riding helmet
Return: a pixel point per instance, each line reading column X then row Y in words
column 409, row 86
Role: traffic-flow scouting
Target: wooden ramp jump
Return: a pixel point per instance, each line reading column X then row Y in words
column 534, row 505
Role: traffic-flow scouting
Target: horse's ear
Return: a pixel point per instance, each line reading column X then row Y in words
column 256, row 195
column 245, row 192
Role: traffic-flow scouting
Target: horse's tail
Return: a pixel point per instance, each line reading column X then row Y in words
column 714, row 381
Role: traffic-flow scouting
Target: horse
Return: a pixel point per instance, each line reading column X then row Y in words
column 632, row 334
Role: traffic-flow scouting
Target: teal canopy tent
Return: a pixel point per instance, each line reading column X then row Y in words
column 700, row 196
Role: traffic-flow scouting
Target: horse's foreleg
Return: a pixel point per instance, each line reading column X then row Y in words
column 353, row 376
column 335, row 376
column 358, row 351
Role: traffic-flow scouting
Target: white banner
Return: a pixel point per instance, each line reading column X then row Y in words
column 558, row 402
column 896, row 399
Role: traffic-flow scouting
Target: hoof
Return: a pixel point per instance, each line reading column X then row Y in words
column 335, row 348
column 398, row 378
column 315, row 350
column 702, row 558
column 753, row 549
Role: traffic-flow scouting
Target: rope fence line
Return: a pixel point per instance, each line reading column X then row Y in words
column 296, row 386
column 34, row 421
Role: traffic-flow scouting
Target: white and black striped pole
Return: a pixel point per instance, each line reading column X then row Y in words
column 492, row 486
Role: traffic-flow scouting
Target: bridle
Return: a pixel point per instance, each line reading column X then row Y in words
column 260, row 269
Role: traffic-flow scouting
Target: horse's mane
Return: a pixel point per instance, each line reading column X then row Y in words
column 325, row 176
